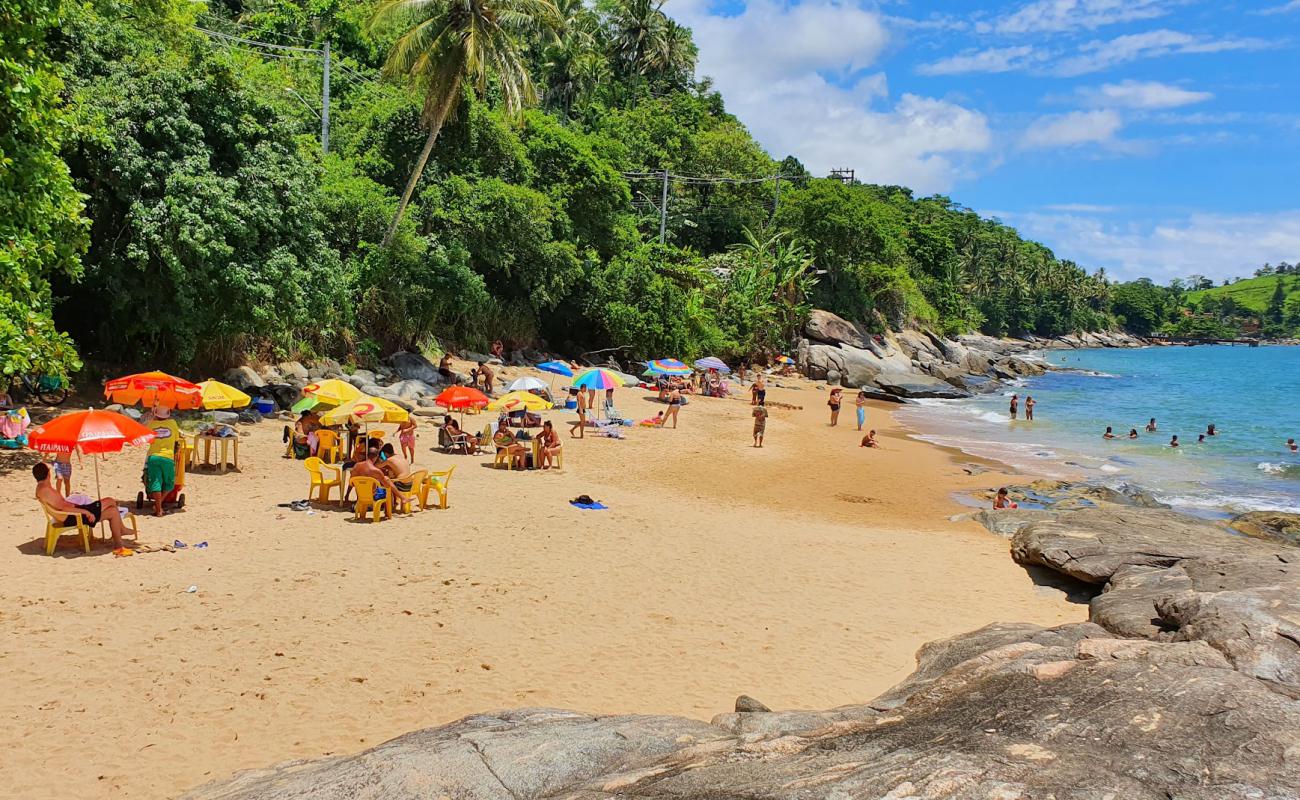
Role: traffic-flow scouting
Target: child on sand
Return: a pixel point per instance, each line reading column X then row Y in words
column 760, row 423
column 869, row 440
column 1029, row 408
column 861, row 403
column 834, row 402
column 1109, row 434
column 654, row 421
column 406, row 438
column 1002, row 501
column 63, row 473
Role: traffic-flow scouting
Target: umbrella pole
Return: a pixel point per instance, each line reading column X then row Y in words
column 99, row 495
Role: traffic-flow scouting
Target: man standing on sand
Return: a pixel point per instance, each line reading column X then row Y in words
column 104, row 508
column 760, row 423
column 489, row 377
column 1029, row 408
column 1015, row 402
column 580, row 427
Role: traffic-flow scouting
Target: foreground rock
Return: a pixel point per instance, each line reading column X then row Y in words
column 1184, row 684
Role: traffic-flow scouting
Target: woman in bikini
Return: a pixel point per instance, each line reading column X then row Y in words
column 674, row 404
column 406, row 438
column 549, row 441
column 834, row 403
column 861, row 402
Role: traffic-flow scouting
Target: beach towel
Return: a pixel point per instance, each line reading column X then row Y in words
column 595, row 505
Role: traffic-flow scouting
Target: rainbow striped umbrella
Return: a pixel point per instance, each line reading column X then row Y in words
column 598, row 378
column 712, row 363
column 668, row 366
column 784, row 360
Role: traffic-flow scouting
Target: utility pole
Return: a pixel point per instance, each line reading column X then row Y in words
column 325, row 103
column 776, row 199
column 663, row 211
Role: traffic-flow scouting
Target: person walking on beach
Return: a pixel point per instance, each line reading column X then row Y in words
column 406, row 438
column 861, row 403
column 760, row 423
column 1015, row 404
column 758, row 392
column 1151, row 426
column 489, row 377
column 580, row 427
column 1109, row 434
column 834, row 402
column 1174, row 441
column 1029, row 408
column 674, row 404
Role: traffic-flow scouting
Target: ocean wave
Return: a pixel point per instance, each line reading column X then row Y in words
column 1210, row 501
column 1277, row 468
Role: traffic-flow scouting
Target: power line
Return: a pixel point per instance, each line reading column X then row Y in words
column 257, row 43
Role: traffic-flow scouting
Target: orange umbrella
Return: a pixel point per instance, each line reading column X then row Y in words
column 154, row 388
column 461, row 398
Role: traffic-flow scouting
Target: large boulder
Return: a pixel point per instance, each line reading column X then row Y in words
column 414, row 367
column 243, row 378
column 1279, row 526
column 362, row 377
column 411, row 389
column 916, row 384
column 823, row 326
column 293, row 369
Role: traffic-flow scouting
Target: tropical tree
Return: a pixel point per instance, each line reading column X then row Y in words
column 449, row 44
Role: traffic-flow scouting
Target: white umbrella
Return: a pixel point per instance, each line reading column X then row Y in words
column 526, row 384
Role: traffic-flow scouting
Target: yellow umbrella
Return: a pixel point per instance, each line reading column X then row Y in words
column 519, row 401
column 219, row 395
column 365, row 409
column 333, row 391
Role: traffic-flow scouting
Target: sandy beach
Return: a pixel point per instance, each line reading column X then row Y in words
column 806, row 574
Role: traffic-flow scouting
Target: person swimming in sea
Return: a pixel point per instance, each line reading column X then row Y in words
column 1109, row 434
column 1015, row 403
column 1174, row 441
column 1210, row 431
column 1133, row 433
column 1151, row 426
column 1291, row 445
column 1002, row 501
column 1200, row 439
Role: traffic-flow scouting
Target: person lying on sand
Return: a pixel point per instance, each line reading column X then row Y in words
column 104, row 508
column 1109, row 434
column 1133, row 433
column 1002, row 500
column 869, row 440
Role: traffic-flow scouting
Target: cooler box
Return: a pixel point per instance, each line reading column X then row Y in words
column 264, row 405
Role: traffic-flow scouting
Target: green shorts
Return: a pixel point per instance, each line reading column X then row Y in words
column 159, row 474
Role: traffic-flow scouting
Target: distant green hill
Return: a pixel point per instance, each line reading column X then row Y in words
column 1252, row 294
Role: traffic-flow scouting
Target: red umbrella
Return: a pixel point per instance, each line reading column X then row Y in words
column 461, row 397
column 90, row 432
column 154, row 388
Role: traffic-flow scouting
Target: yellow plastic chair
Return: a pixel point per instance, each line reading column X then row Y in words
column 366, row 501
column 437, row 481
column 328, row 446
column 321, row 485
column 417, row 493
column 55, row 527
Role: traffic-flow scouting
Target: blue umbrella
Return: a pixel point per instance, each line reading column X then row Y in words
column 712, row 363
column 556, row 368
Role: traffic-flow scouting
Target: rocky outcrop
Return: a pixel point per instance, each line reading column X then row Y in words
column 414, row 367
column 1183, row 684
column 1278, row 526
column 914, row 384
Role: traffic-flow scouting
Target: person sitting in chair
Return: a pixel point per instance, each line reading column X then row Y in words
column 505, row 440
column 104, row 508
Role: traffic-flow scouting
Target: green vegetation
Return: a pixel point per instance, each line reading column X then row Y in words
column 496, row 170
column 1251, row 294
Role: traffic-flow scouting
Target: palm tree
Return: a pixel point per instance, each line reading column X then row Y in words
column 450, row 43
column 638, row 29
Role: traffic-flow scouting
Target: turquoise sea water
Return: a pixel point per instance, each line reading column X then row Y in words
column 1251, row 395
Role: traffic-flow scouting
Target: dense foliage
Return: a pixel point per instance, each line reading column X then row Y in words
column 220, row 230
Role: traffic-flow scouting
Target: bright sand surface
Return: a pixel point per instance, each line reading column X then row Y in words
column 806, row 573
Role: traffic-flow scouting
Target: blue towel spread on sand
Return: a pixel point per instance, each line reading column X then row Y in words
column 595, row 506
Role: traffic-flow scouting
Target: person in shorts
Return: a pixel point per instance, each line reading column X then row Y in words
column 104, row 508
column 760, row 423
column 160, row 464
column 63, row 472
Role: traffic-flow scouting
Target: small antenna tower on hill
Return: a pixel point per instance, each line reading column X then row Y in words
column 844, row 176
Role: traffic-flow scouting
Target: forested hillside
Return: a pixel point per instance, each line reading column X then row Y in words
column 167, row 200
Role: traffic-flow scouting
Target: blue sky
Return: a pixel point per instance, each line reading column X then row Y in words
column 1148, row 137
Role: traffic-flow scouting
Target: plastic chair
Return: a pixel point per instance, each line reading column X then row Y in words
column 328, row 446
column 366, row 501
column 417, row 492
column 436, row 481
column 503, row 456
column 321, row 485
column 55, row 527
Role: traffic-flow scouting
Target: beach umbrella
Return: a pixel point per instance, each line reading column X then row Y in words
column 219, row 395
column 526, row 383
column 306, row 404
column 365, row 409
column 712, row 363
column 556, row 368
column 518, row 401
column 461, row 398
column 668, row 366
column 332, row 391
column 599, row 378
column 90, row 432
column 154, row 389
column 784, row 360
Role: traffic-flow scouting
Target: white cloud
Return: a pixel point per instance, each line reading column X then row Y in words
column 769, row 62
column 1086, row 208
column 1142, row 94
column 1066, row 15
column 1075, row 128
column 1098, row 55
column 1294, row 5
column 1215, row 245
column 994, row 59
